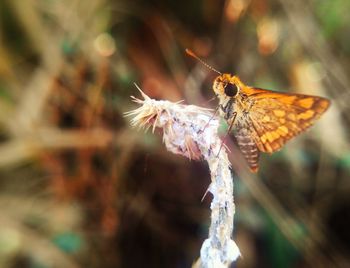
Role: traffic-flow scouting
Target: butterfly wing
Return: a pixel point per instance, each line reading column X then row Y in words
column 274, row 118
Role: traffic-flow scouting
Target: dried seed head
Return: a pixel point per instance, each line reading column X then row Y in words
column 192, row 132
column 185, row 127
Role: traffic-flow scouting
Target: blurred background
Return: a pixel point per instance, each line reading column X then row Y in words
column 80, row 188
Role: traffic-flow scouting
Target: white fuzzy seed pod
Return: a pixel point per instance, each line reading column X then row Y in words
column 192, row 132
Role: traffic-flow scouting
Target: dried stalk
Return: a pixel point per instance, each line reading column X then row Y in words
column 192, row 132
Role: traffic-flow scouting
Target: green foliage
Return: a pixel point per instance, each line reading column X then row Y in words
column 281, row 252
column 334, row 16
column 68, row 242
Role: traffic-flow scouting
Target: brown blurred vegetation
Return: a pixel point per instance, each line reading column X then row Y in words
column 80, row 188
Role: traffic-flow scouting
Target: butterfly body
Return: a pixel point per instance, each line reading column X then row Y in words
column 264, row 120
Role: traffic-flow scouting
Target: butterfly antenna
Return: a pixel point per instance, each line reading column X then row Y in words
column 192, row 54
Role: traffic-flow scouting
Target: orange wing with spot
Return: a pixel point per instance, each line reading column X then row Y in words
column 274, row 118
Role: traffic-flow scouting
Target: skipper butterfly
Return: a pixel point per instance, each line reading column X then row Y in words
column 263, row 120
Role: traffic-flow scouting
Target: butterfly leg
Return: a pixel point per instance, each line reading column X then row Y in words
column 211, row 118
column 228, row 131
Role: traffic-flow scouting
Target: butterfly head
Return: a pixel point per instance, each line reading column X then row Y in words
column 227, row 86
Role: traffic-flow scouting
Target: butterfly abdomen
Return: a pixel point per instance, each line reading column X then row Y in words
column 249, row 149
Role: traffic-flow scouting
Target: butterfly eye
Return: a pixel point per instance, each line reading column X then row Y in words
column 231, row 90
